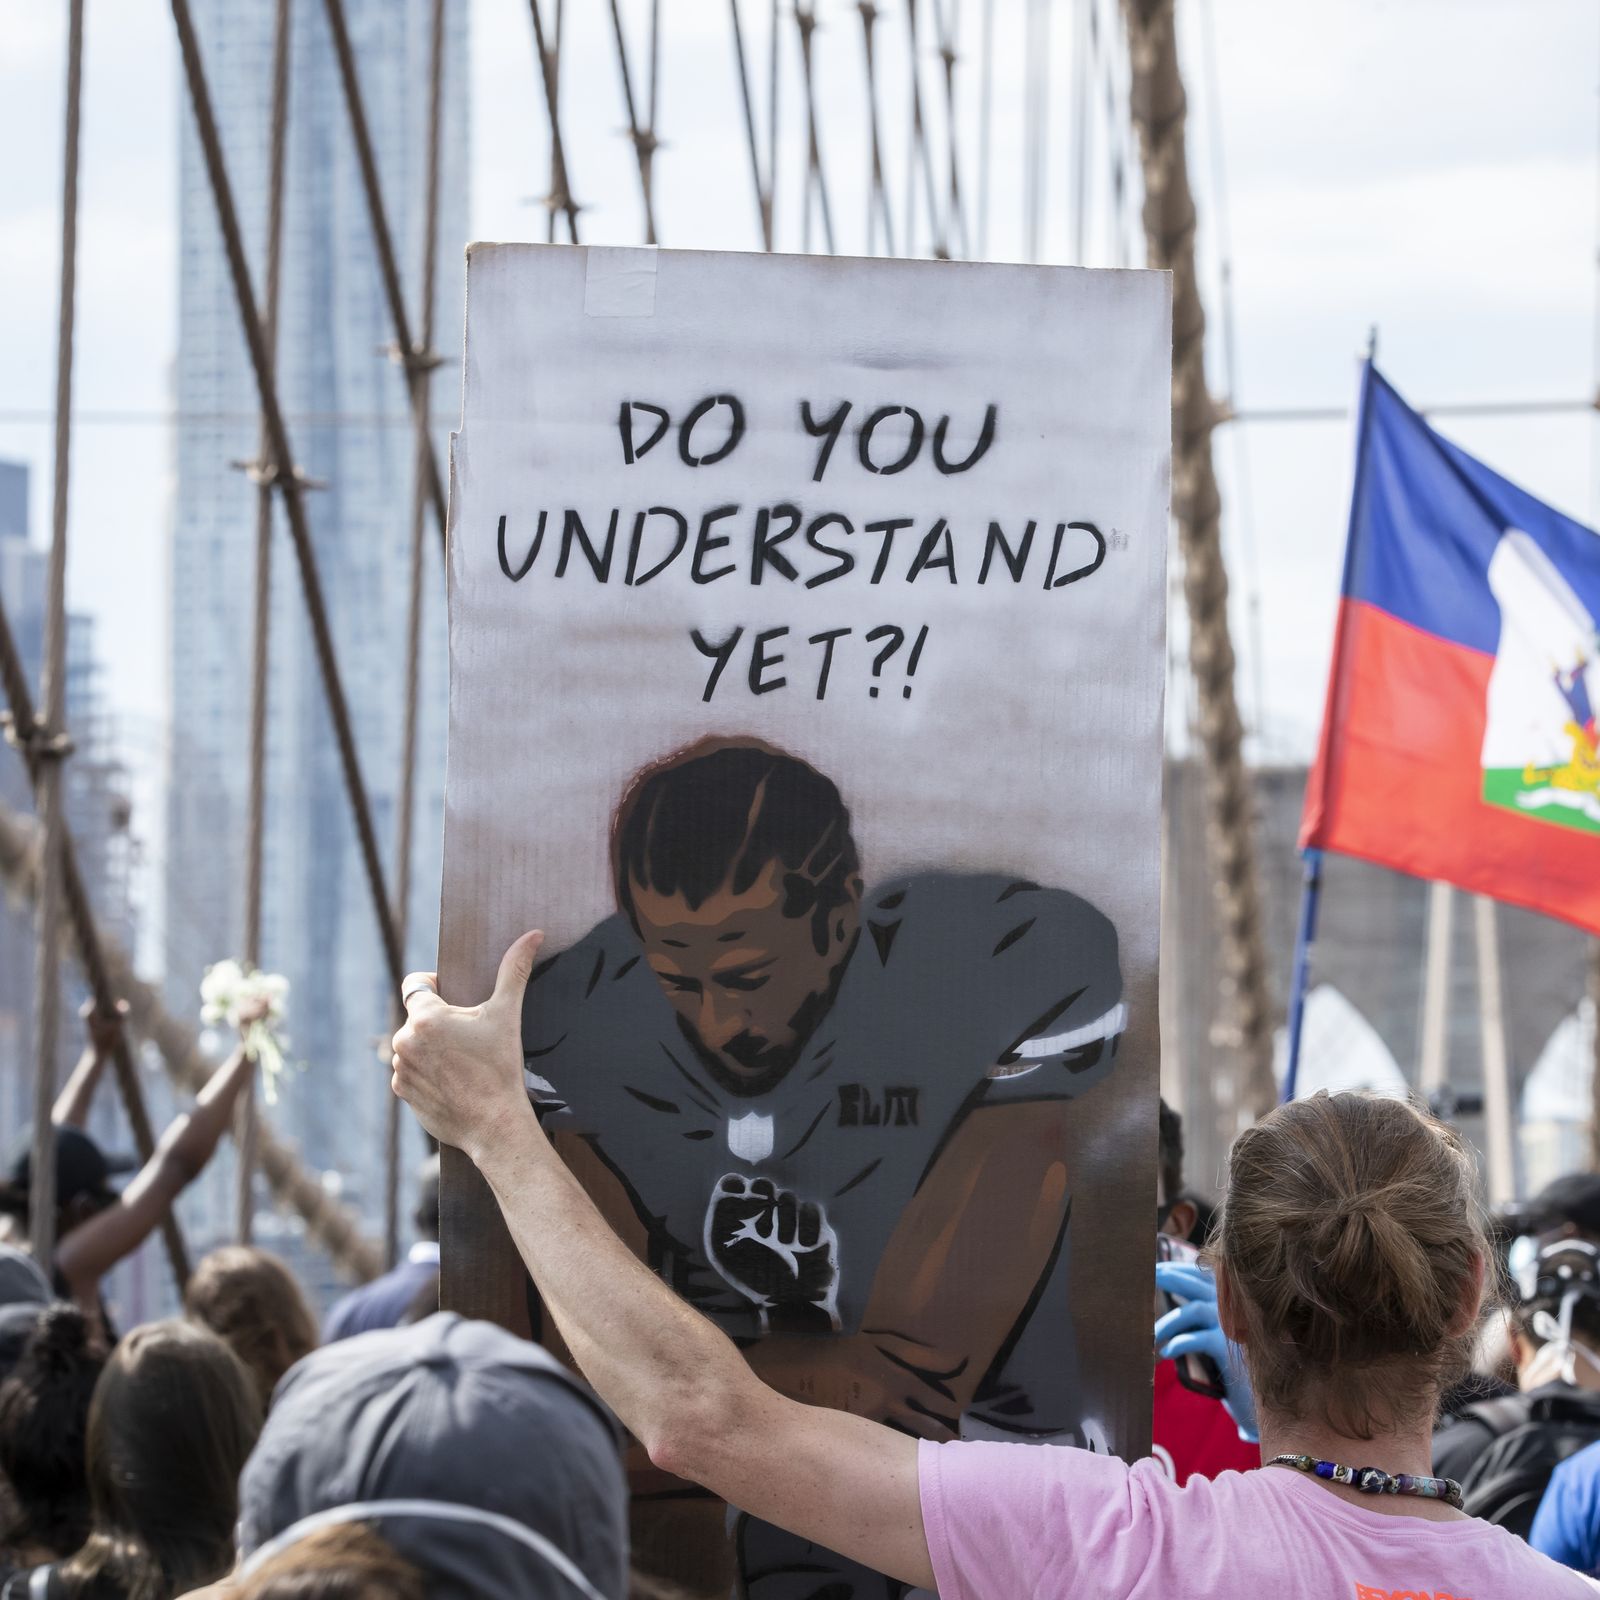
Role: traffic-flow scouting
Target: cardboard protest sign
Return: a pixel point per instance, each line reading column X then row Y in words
column 806, row 625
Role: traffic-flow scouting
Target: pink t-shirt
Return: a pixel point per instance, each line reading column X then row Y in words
column 1044, row 1522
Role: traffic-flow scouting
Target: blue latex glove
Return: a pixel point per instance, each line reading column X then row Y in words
column 1193, row 1330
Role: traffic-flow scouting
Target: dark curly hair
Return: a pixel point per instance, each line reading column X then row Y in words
column 44, row 1423
column 720, row 812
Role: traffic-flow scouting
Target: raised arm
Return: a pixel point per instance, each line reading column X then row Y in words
column 676, row 1381
column 93, row 1248
column 71, row 1109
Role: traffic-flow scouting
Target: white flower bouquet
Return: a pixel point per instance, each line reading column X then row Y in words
column 254, row 1003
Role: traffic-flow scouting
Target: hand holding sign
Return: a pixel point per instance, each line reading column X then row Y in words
column 460, row 1067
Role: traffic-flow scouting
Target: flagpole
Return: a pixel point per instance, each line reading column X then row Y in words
column 1305, row 936
column 1435, row 1074
column 1311, row 879
column 1594, row 1054
column 1497, row 1110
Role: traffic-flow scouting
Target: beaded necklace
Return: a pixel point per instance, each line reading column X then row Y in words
column 1374, row 1480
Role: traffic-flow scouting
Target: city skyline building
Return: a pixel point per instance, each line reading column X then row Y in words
column 349, row 421
column 99, row 814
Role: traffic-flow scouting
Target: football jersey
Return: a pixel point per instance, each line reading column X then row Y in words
column 961, row 991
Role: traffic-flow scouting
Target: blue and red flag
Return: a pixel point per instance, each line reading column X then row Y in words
column 1459, row 738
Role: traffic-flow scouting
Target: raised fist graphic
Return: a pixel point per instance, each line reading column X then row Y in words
column 778, row 1251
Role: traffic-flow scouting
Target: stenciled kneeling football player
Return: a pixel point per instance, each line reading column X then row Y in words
column 832, row 1119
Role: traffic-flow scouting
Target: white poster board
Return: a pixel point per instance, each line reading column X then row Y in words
column 882, row 544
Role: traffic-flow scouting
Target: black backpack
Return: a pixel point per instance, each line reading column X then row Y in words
column 1510, row 1478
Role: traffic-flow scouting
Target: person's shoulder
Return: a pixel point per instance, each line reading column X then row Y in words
column 971, row 1470
column 1578, row 1477
column 1525, row 1570
column 1564, row 1526
column 1001, row 901
column 1008, row 928
column 1007, row 973
column 578, row 982
column 366, row 1306
column 340, row 1321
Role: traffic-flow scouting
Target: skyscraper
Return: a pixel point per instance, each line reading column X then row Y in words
column 349, row 422
column 98, row 810
column 99, row 816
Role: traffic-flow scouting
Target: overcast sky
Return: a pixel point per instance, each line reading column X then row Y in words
column 1425, row 166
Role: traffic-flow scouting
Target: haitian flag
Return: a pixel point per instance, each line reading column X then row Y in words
column 1459, row 739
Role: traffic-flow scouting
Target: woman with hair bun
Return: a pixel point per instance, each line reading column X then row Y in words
column 1350, row 1262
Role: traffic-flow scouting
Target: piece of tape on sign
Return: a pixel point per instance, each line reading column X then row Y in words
column 620, row 282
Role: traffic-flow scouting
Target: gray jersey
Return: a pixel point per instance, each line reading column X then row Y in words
column 961, row 992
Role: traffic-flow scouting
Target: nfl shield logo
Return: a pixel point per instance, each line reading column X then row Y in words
column 750, row 1136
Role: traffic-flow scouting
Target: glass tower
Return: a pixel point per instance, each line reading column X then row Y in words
column 349, row 423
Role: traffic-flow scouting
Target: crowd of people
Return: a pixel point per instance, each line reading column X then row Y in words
column 1363, row 1387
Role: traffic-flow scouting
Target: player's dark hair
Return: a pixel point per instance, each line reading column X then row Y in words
column 1171, row 1155
column 718, row 813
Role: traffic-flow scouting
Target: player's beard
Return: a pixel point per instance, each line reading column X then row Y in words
column 761, row 1065
column 758, row 1065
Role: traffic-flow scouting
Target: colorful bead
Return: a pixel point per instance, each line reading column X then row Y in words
column 1374, row 1480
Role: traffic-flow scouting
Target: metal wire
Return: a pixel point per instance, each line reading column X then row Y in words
column 1035, row 118
column 408, row 353
column 561, row 187
column 405, row 803
column 1078, row 198
column 288, row 485
column 805, row 18
column 878, row 209
column 948, row 28
column 917, row 151
column 642, row 133
column 50, row 745
column 985, row 125
column 763, row 191
column 261, row 629
column 14, row 680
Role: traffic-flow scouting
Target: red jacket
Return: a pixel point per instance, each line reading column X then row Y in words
column 1195, row 1437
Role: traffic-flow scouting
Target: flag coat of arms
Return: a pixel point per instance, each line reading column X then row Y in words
column 1459, row 737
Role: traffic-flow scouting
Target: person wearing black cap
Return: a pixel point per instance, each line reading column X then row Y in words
column 1566, row 1208
column 473, row 1455
column 96, row 1225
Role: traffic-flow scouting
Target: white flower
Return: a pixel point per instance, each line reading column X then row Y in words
column 218, row 990
column 228, row 993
